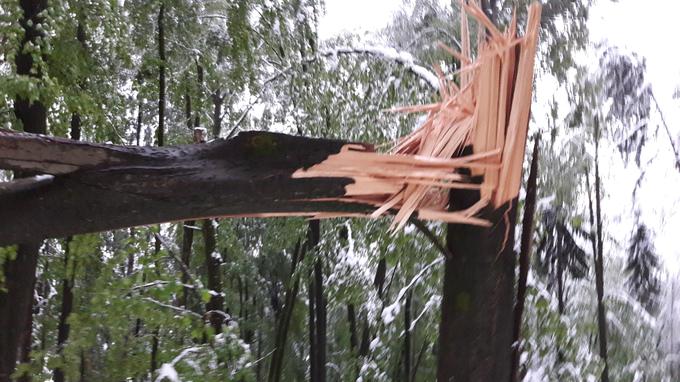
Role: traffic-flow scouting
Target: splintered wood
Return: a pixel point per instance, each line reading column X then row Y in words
column 488, row 110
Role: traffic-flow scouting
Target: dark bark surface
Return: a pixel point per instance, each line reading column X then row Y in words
column 17, row 299
column 475, row 332
column 160, row 134
column 407, row 337
column 215, row 306
column 104, row 187
column 187, row 242
column 599, row 266
column 66, row 306
column 284, row 320
column 524, row 256
column 317, row 310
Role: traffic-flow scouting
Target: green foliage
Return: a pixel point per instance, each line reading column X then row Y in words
column 259, row 65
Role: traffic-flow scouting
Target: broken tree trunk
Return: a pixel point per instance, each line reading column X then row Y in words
column 98, row 187
column 475, row 332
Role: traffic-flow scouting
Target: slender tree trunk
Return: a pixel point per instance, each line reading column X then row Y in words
column 524, row 257
column 365, row 339
column 317, row 311
column 218, row 100
column 153, row 366
column 161, row 76
column 138, row 126
column 283, row 324
column 187, row 242
column 352, row 319
column 66, row 306
column 215, row 306
column 17, row 297
column 407, row 336
column 197, row 112
column 321, row 312
column 599, row 268
column 320, row 304
column 311, row 325
column 421, row 353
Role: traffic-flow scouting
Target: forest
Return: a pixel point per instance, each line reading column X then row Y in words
column 170, row 210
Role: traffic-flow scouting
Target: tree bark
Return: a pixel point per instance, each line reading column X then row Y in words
column 407, row 337
column 66, row 306
column 599, row 266
column 283, row 324
column 161, row 76
column 352, row 319
column 475, row 332
column 187, row 242
column 524, row 256
column 215, row 306
column 153, row 366
column 17, row 298
column 104, row 187
column 317, row 310
column 320, row 319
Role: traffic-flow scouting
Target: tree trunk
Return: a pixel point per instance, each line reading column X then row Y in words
column 138, row 126
column 352, row 319
column 187, row 242
column 320, row 303
column 161, row 76
column 365, row 339
column 599, row 268
column 317, row 310
column 154, row 353
column 17, row 297
column 475, row 332
column 311, row 326
column 283, row 324
column 524, row 257
column 66, row 306
column 407, row 337
column 215, row 306
column 218, row 100
column 320, row 319
column 116, row 187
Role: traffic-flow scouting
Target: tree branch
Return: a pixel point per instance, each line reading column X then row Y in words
column 420, row 225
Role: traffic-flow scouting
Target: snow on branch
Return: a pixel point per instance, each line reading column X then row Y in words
column 390, row 54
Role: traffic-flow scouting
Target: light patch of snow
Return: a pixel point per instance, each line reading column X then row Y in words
column 390, row 312
column 43, row 177
column 544, row 203
column 167, row 371
column 391, row 54
column 374, row 344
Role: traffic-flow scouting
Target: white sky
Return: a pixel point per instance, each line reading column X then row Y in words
column 649, row 28
column 643, row 26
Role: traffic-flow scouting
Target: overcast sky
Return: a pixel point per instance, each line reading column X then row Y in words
column 643, row 26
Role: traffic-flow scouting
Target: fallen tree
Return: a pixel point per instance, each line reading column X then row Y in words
column 94, row 187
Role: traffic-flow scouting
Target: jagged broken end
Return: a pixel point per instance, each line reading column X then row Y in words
column 487, row 109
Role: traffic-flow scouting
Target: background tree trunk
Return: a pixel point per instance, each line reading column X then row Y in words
column 66, row 305
column 599, row 266
column 215, row 306
column 526, row 242
column 160, row 134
